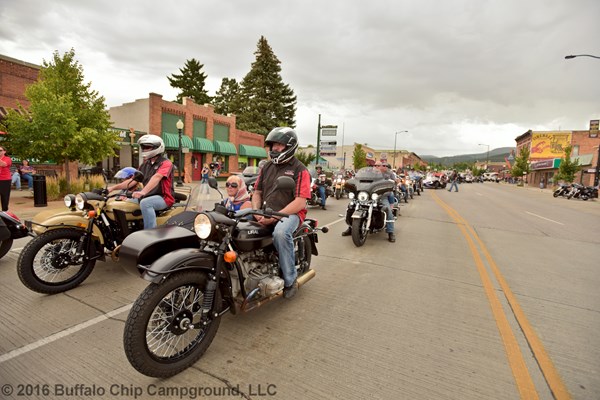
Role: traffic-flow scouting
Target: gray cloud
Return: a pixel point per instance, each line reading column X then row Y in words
column 454, row 73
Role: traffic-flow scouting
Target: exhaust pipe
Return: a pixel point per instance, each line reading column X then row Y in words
column 246, row 306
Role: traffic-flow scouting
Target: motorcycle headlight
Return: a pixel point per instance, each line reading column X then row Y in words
column 363, row 196
column 374, row 196
column 351, row 195
column 80, row 201
column 202, row 226
column 69, row 200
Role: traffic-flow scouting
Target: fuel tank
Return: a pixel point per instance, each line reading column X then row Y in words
column 250, row 235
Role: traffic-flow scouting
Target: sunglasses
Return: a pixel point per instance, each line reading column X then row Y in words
column 231, row 184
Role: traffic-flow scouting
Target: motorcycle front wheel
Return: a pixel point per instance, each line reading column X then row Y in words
column 164, row 333
column 359, row 231
column 49, row 263
column 5, row 246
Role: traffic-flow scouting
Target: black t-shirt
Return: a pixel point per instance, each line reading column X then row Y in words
column 277, row 199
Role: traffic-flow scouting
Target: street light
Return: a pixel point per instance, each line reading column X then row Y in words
column 487, row 160
column 395, row 137
column 580, row 55
column 179, row 126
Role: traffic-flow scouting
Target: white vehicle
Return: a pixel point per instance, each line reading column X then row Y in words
column 491, row 176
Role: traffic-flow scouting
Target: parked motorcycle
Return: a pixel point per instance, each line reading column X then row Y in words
column 11, row 228
column 584, row 193
column 68, row 243
column 563, row 190
column 233, row 267
column 365, row 213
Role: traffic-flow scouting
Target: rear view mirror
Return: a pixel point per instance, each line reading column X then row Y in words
column 212, row 182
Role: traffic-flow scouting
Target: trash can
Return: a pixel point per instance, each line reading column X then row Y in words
column 40, row 198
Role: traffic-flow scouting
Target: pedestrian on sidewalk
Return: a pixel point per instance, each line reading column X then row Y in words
column 5, row 178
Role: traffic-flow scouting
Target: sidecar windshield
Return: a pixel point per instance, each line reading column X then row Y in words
column 202, row 198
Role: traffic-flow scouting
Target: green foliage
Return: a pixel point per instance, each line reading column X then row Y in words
column 191, row 82
column 567, row 168
column 66, row 120
column 359, row 157
column 305, row 158
column 265, row 101
column 521, row 163
column 226, row 100
column 56, row 186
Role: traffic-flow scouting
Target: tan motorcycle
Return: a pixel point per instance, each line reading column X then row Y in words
column 68, row 243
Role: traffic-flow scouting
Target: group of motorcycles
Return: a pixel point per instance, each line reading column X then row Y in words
column 576, row 191
column 201, row 262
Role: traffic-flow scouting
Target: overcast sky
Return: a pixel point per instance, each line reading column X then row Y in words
column 453, row 73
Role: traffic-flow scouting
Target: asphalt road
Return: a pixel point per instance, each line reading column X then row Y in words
column 488, row 293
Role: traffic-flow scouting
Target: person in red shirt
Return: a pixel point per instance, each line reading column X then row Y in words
column 5, row 178
column 158, row 192
column 283, row 143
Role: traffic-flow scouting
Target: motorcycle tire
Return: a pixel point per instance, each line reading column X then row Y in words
column 155, row 325
column 51, row 249
column 5, row 246
column 569, row 196
column 584, row 197
column 337, row 195
column 359, row 231
column 556, row 193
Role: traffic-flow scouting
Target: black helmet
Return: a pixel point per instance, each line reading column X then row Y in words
column 285, row 136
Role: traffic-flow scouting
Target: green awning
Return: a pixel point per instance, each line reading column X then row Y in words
column 252, row 151
column 224, row 148
column 172, row 141
column 203, row 145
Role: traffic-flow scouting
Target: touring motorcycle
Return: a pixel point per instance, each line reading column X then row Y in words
column 68, row 243
column 365, row 213
column 338, row 186
column 11, row 228
column 225, row 263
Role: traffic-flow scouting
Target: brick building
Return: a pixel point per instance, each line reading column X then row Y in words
column 547, row 149
column 206, row 136
column 15, row 75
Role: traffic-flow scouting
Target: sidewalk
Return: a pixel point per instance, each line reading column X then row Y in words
column 22, row 204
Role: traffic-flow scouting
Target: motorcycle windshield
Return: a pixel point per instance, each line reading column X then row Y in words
column 202, row 198
column 368, row 174
column 371, row 180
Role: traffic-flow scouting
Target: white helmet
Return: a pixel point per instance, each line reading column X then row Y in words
column 151, row 146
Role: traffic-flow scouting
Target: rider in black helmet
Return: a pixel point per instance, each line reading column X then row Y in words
column 283, row 143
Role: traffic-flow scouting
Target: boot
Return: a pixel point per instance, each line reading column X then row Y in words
column 323, row 207
column 391, row 237
column 347, row 232
column 290, row 291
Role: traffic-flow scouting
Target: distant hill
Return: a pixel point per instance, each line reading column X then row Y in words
column 496, row 155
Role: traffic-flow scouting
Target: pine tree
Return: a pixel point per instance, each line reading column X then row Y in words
column 227, row 97
column 66, row 120
column 191, row 82
column 266, row 102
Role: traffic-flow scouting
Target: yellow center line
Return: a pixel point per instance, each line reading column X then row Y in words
column 550, row 373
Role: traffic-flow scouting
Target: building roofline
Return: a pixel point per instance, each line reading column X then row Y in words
column 15, row 61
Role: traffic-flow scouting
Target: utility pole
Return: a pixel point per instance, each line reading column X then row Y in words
column 318, row 141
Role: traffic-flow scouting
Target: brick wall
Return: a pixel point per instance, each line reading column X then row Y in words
column 15, row 75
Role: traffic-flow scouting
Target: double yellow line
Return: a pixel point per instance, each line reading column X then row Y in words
column 515, row 357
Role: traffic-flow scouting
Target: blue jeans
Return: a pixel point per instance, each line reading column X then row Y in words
column 454, row 184
column 389, row 226
column 322, row 194
column 284, row 243
column 29, row 180
column 149, row 205
column 16, row 179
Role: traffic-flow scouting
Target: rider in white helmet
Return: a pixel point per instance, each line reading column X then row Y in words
column 158, row 191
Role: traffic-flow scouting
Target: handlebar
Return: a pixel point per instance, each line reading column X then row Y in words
column 268, row 212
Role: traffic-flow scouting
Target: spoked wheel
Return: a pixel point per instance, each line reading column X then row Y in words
column 359, row 231
column 5, row 246
column 164, row 333
column 303, row 251
column 50, row 264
